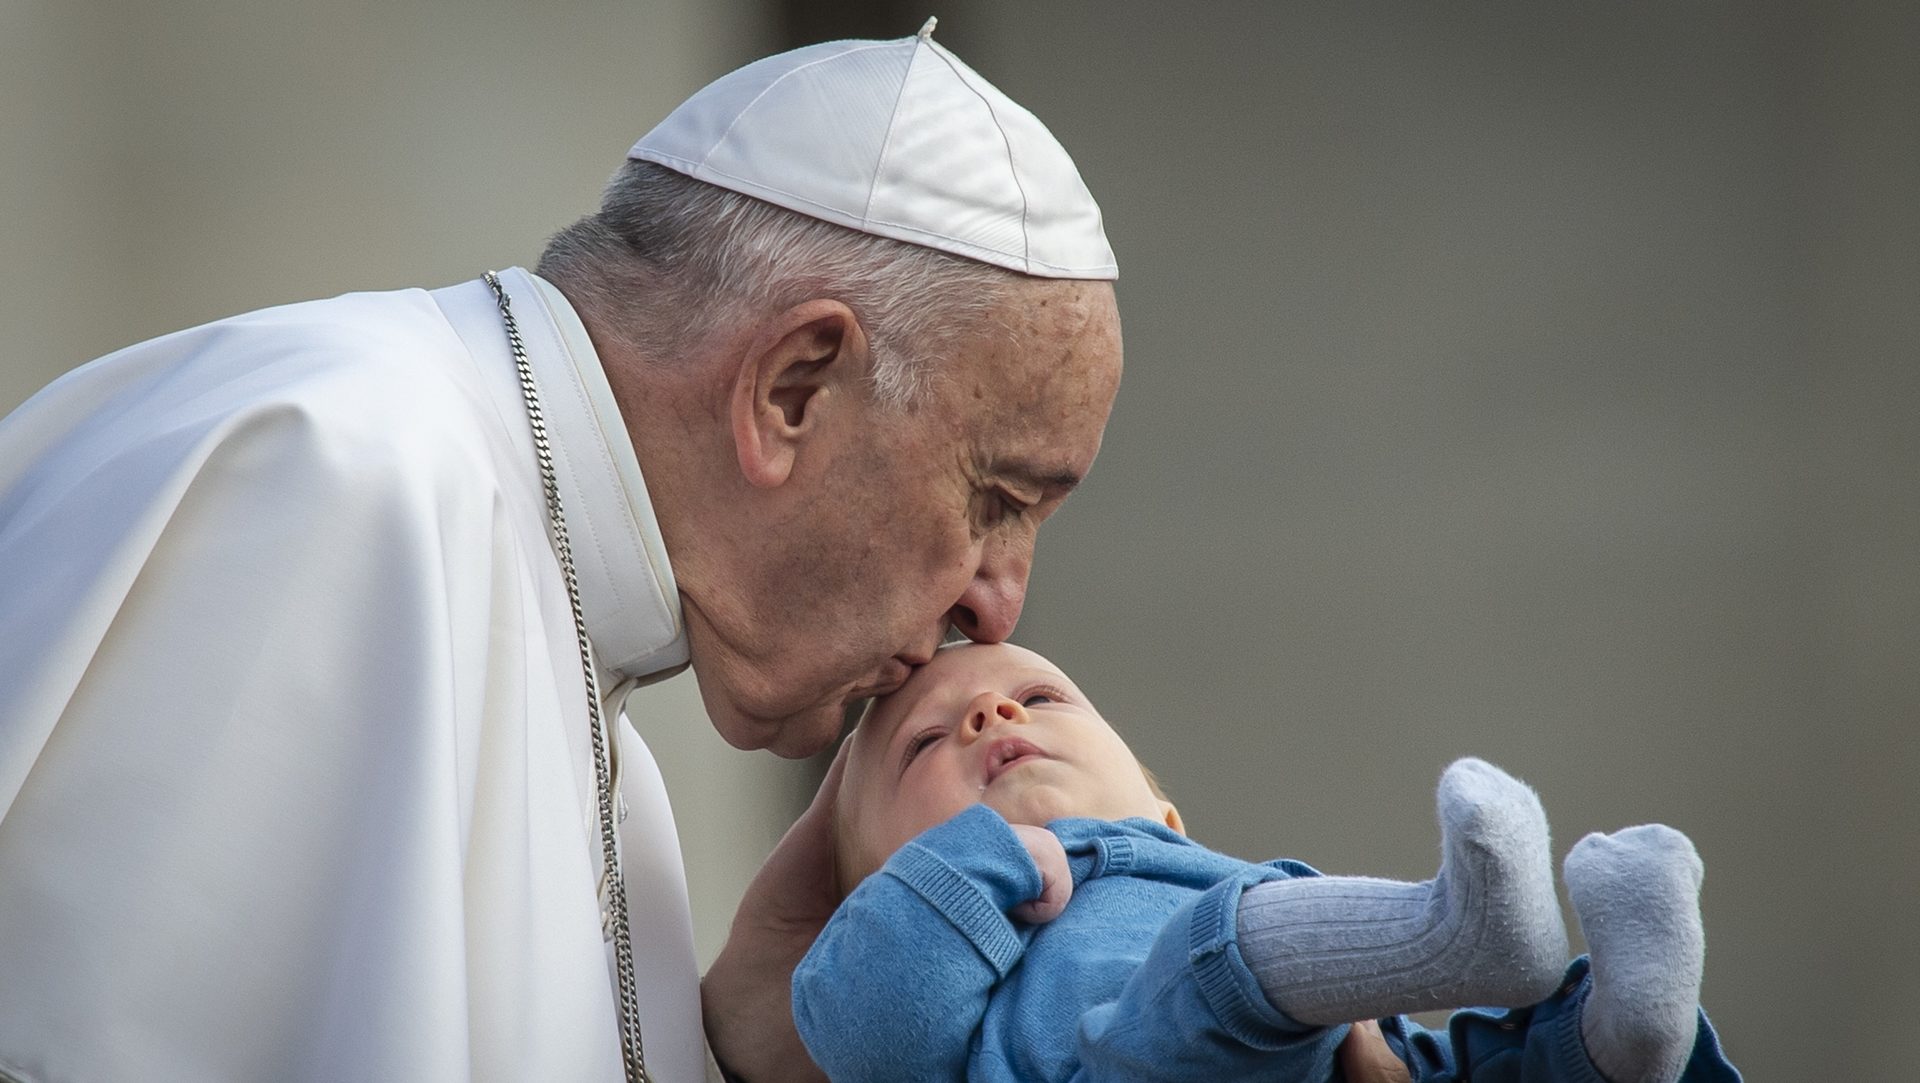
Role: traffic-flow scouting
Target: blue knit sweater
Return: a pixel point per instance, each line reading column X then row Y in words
column 920, row 975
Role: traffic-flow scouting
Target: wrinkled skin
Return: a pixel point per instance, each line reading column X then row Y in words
column 825, row 547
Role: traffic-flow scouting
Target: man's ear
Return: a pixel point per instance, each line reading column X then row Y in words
column 804, row 362
column 1171, row 816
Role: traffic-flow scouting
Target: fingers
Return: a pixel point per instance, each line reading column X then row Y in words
column 1365, row 1057
column 1056, row 879
column 746, row 994
column 796, row 890
column 830, row 785
column 810, row 840
column 749, row 1025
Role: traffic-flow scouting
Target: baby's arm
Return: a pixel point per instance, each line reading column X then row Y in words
column 898, row 981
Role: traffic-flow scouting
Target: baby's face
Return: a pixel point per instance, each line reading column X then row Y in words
column 991, row 724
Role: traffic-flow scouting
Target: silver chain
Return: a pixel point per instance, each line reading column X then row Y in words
column 636, row 1065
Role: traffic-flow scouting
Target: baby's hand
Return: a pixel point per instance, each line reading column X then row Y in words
column 1056, row 882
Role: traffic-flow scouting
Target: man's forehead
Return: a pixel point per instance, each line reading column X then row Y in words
column 1050, row 328
column 1044, row 438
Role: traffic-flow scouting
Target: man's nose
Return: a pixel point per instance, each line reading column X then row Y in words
column 987, row 710
column 990, row 606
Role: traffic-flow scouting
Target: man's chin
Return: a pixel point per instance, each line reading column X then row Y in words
column 800, row 744
column 749, row 726
column 794, row 737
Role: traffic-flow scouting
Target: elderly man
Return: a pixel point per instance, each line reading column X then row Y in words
column 315, row 621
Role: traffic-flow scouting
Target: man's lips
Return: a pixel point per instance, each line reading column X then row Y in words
column 893, row 673
column 1009, row 752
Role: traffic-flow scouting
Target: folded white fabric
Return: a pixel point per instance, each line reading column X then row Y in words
column 896, row 138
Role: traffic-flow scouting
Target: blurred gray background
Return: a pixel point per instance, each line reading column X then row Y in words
column 1524, row 380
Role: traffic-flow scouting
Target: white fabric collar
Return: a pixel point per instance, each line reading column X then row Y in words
column 631, row 603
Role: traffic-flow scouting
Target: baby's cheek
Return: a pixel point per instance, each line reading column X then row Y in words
column 933, row 809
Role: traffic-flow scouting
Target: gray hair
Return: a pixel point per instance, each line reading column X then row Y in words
column 670, row 260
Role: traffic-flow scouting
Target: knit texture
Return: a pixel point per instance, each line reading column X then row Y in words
column 1485, row 931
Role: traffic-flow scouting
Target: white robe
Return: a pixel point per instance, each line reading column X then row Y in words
column 295, row 777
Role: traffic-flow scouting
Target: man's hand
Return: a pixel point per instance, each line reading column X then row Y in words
column 1365, row 1058
column 1056, row 881
column 747, row 995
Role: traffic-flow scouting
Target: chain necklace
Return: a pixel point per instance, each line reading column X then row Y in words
column 636, row 1066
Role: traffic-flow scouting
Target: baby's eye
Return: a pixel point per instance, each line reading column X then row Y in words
column 1034, row 698
column 920, row 740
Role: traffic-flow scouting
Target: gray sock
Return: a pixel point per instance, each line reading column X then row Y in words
column 1486, row 931
column 1637, row 892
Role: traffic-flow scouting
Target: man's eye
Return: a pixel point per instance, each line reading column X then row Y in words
column 995, row 508
column 1005, row 507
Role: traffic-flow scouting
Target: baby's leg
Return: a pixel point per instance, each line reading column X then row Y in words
column 1637, row 892
column 1486, row 931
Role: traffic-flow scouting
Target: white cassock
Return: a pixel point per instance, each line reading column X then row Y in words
column 295, row 772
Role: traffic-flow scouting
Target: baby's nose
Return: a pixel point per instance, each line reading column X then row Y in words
column 988, row 710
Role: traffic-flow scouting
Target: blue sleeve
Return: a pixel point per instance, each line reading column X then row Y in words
column 896, row 986
column 1194, row 1010
column 1537, row 1044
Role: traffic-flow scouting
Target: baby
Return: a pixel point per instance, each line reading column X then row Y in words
column 988, row 794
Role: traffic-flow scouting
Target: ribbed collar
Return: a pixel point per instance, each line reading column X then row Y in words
column 627, row 591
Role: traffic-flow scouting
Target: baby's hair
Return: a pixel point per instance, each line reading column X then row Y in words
column 1153, row 781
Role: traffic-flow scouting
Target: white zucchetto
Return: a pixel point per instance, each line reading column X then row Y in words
column 895, row 138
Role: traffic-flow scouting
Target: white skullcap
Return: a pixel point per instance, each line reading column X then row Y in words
column 895, row 138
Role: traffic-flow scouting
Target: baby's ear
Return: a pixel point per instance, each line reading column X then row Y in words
column 1172, row 816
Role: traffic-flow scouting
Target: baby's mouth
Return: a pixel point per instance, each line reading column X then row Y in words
column 1009, row 752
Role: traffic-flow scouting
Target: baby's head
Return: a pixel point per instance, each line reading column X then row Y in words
column 992, row 724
